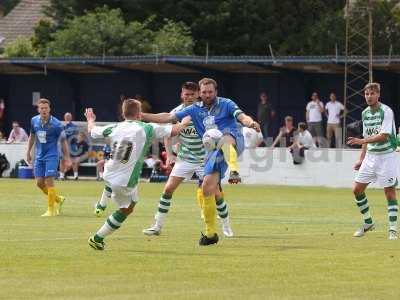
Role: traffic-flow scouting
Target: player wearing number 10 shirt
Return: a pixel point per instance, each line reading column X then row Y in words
column 130, row 141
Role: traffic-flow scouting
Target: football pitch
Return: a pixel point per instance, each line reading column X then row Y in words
column 290, row 243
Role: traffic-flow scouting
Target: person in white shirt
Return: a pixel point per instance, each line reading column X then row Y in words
column 302, row 142
column 17, row 134
column 252, row 138
column 314, row 110
column 333, row 110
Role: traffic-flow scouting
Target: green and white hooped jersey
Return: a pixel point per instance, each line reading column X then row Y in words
column 191, row 147
column 379, row 121
column 130, row 142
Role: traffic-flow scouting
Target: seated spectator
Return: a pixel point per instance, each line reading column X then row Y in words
column 286, row 134
column 79, row 152
column 100, row 164
column 17, row 134
column 303, row 141
column 3, row 138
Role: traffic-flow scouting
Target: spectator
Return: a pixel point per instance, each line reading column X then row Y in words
column 252, row 138
column 2, row 116
column 286, row 134
column 17, row 134
column 2, row 137
column 265, row 114
column 79, row 152
column 333, row 110
column 71, row 130
column 303, row 141
column 314, row 110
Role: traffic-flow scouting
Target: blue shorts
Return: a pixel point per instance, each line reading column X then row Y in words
column 215, row 162
column 46, row 167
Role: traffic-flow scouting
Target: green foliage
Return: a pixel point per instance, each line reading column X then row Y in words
column 173, row 39
column 9, row 5
column 103, row 31
column 43, row 35
column 237, row 27
column 98, row 32
column 21, row 47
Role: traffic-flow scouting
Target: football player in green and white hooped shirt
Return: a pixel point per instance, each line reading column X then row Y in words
column 378, row 160
column 130, row 141
column 190, row 160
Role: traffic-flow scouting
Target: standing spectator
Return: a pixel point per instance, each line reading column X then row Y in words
column 2, row 116
column 17, row 134
column 314, row 111
column 71, row 130
column 333, row 110
column 265, row 114
column 303, row 141
column 286, row 134
column 79, row 152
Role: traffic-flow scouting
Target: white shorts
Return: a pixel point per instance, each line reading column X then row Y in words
column 381, row 168
column 123, row 196
column 186, row 169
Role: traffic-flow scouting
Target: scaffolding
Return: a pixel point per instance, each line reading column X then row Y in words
column 358, row 59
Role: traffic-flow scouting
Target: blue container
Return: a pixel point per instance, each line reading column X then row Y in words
column 25, row 172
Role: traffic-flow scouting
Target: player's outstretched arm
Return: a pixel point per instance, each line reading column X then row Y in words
column 91, row 118
column 159, row 118
column 176, row 128
column 248, row 122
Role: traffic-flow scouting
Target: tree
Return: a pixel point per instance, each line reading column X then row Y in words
column 9, row 5
column 173, row 39
column 103, row 31
column 99, row 32
column 238, row 27
column 21, row 47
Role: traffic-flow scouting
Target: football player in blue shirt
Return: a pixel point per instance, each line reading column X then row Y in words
column 45, row 133
column 222, row 114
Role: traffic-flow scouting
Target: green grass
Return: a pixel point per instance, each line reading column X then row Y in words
column 291, row 243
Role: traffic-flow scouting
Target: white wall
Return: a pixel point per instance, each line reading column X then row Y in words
column 14, row 153
column 322, row 167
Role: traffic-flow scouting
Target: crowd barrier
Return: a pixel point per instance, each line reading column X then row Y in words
column 321, row 167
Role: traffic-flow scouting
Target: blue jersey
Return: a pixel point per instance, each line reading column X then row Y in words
column 222, row 115
column 46, row 137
